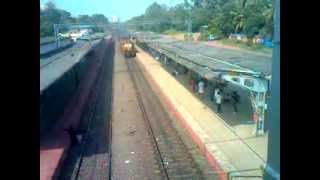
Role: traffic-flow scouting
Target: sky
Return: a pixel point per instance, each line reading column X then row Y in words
column 123, row 9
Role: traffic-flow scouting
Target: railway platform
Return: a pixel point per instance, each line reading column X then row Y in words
column 228, row 153
column 55, row 140
column 52, row 154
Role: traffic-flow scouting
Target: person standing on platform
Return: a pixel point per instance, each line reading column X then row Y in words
column 218, row 101
column 216, row 90
column 193, row 85
column 235, row 100
column 201, row 88
column 212, row 94
column 227, row 98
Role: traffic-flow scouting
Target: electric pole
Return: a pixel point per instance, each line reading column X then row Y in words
column 272, row 169
column 189, row 28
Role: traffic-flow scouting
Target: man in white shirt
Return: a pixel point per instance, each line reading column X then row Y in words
column 216, row 90
column 201, row 87
column 218, row 101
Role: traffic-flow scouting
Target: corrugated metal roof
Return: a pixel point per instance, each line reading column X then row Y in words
column 212, row 57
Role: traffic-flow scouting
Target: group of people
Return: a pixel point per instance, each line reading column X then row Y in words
column 217, row 95
column 179, row 70
column 197, row 86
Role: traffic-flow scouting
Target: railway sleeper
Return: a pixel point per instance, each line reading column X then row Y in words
column 176, row 157
column 175, row 149
column 181, row 171
column 180, row 164
column 190, row 176
column 172, row 146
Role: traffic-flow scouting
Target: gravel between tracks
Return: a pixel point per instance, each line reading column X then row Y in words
column 174, row 159
column 177, row 161
column 133, row 154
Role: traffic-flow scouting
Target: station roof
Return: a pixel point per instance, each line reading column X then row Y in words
column 54, row 67
column 202, row 58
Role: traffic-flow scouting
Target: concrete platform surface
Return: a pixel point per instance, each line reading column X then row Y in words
column 52, row 154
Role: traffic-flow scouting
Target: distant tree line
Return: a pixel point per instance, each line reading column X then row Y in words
column 250, row 17
column 50, row 15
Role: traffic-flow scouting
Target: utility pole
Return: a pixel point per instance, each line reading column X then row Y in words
column 188, row 21
column 189, row 24
column 272, row 169
column 55, row 29
column 56, row 34
column 189, row 28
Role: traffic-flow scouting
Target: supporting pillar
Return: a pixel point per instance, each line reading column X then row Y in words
column 55, row 34
column 258, row 100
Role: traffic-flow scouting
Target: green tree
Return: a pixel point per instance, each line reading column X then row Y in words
column 84, row 19
column 254, row 20
column 178, row 15
column 99, row 19
column 222, row 16
column 268, row 12
column 199, row 18
column 135, row 23
column 223, row 23
column 48, row 16
column 159, row 17
column 198, row 3
column 242, row 16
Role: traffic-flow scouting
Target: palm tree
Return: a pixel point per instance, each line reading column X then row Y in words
column 238, row 21
column 238, row 15
column 268, row 15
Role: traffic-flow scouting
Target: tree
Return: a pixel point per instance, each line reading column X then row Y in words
column 199, row 18
column 253, row 24
column 254, row 20
column 99, row 19
column 84, row 19
column 268, row 12
column 215, row 27
column 159, row 17
column 154, row 10
column 242, row 16
column 50, row 15
column 222, row 16
column 198, row 3
column 222, row 23
column 135, row 23
column 178, row 15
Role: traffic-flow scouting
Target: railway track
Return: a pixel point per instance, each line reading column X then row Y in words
column 175, row 160
column 84, row 142
column 98, row 137
column 91, row 158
